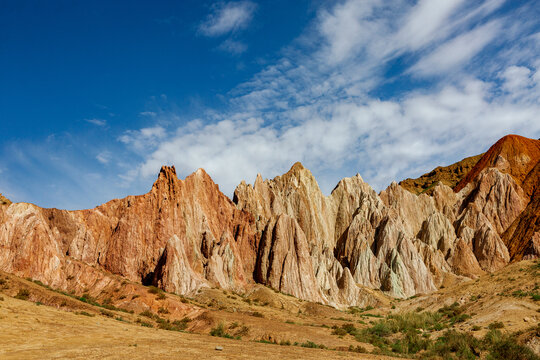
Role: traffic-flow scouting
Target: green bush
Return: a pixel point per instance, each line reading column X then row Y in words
column 453, row 343
column 147, row 313
column 84, row 313
column 23, row 294
column 219, row 331
column 163, row 310
column 508, row 349
column 311, row 344
column 496, row 325
column 182, row 324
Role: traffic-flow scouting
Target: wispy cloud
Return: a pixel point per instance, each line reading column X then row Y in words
column 97, row 122
column 148, row 113
column 228, row 17
column 458, row 51
column 104, row 157
column 144, row 139
column 233, row 47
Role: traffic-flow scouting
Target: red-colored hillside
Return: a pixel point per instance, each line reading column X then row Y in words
column 513, row 154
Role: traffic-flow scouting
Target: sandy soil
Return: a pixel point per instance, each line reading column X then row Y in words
column 30, row 331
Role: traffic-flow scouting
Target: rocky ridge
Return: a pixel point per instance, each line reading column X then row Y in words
column 284, row 233
column 449, row 175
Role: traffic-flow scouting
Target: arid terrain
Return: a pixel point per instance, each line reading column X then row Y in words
column 38, row 322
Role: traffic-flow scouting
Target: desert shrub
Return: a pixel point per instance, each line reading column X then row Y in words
column 339, row 331
column 242, row 331
column 453, row 343
column 508, row 349
column 135, row 296
column 476, row 328
column 122, row 297
column 381, row 328
column 357, row 349
column 219, row 331
column 496, row 325
column 106, row 313
column 147, row 313
column 1, row 298
column 84, row 313
column 411, row 321
column 181, row 324
column 264, row 341
column 23, row 294
column 161, row 296
column 257, row 314
column 285, row 343
column 344, row 330
column 153, row 290
column 163, row 310
column 311, row 344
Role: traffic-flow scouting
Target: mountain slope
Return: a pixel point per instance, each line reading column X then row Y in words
column 513, row 154
column 449, row 175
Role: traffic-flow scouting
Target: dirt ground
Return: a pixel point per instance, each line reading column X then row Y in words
column 50, row 324
column 30, row 331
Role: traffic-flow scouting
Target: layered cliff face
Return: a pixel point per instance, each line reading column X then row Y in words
column 286, row 234
column 182, row 235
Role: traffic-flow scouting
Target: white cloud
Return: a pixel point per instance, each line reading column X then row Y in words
column 97, row 122
column 227, row 18
column 144, row 139
column 424, row 22
column 148, row 113
column 232, row 46
column 104, row 157
column 457, row 51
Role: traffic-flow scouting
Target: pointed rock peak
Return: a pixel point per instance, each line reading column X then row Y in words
column 200, row 172
column 4, row 200
column 200, row 176
column 297, row 167
column 258, row 181
column 167, row 171
column 167, row 175
column 299, row 172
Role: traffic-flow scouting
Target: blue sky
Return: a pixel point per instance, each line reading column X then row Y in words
column 96, row 96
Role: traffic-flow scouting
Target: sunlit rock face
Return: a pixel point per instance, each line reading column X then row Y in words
column 286, row 234
column 182, row 235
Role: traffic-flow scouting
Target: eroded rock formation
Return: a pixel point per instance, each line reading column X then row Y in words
column 286, row 234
